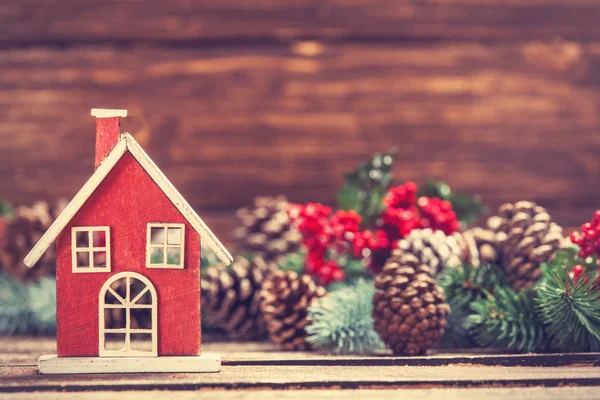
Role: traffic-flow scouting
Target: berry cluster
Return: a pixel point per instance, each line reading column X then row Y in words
column 327, row 236
column 588, row 239
column 319, row 232
column 404, row 213
column 402, row 196
column 437, row 214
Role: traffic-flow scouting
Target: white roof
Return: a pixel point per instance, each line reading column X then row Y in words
column 127, row 143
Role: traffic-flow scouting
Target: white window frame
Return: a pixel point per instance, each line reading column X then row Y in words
column 90, row 249
column 165, row 246
column 128, row 304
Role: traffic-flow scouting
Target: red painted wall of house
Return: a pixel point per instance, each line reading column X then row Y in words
column 126, row 201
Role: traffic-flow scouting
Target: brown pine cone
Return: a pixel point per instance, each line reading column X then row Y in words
column 485, row 246
column 434, row 248
column 531, row 239
column 231, row 297
column 21, row 233
column 409, row 307
column 266, row 229
column 285, row 300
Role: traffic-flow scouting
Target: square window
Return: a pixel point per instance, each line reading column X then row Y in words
column 174, row 236
column 90, row 249
column 83, row 239
column 173, row 256
column 157, row 235
column 157, row 255
column 165, row 245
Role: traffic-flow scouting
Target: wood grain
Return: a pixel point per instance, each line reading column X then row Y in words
column 80, row 21
column 581, row 393
column 255, row 366
column 26, row 379
column 509, row 121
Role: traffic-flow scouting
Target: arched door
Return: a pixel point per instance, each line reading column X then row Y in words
column 123, row 295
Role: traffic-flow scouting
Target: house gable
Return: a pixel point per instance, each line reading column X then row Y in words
column 128, row 145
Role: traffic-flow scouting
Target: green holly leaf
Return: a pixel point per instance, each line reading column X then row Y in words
column 365, row 187
column 353, row 267
column 6, row 209
column 295, row 262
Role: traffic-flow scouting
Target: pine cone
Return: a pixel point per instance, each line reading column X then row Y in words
column 409, row 307
column 231, row 297
column 21, row 233
column 266, row 230
column 484, row 246
column 532, row 239
column 434, row 248
column 285, row 301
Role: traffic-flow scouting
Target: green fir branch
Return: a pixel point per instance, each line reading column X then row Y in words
column 507, row 320
column 466, row 284
column 42, row 303
column 27, row 309
column 15, row 316
column 341, row 322
column 365, row 187
column 570, row 311
column 463, row 286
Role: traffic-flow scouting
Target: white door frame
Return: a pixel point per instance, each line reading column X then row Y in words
column 127, row 304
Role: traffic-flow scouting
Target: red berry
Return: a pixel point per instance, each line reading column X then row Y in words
column 577, row 271
column 575, row 237
column 410, row 187
column 338, row 275
column 589, row 250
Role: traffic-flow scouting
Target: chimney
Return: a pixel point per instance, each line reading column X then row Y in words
column 107, row 131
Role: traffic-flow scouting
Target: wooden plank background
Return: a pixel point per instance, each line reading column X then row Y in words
column 241, row 98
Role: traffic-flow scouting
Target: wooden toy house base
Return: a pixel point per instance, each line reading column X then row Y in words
column 51, row 364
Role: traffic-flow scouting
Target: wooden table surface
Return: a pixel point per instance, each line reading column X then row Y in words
column 260, row 370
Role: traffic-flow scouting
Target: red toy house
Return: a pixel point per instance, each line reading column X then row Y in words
column 127, row 243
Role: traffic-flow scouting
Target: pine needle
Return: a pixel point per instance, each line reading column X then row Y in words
column 27, row 309
column 42, row 303
column 570, row 311
column 341, row 322
column 507, row 320
column 463, row 286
